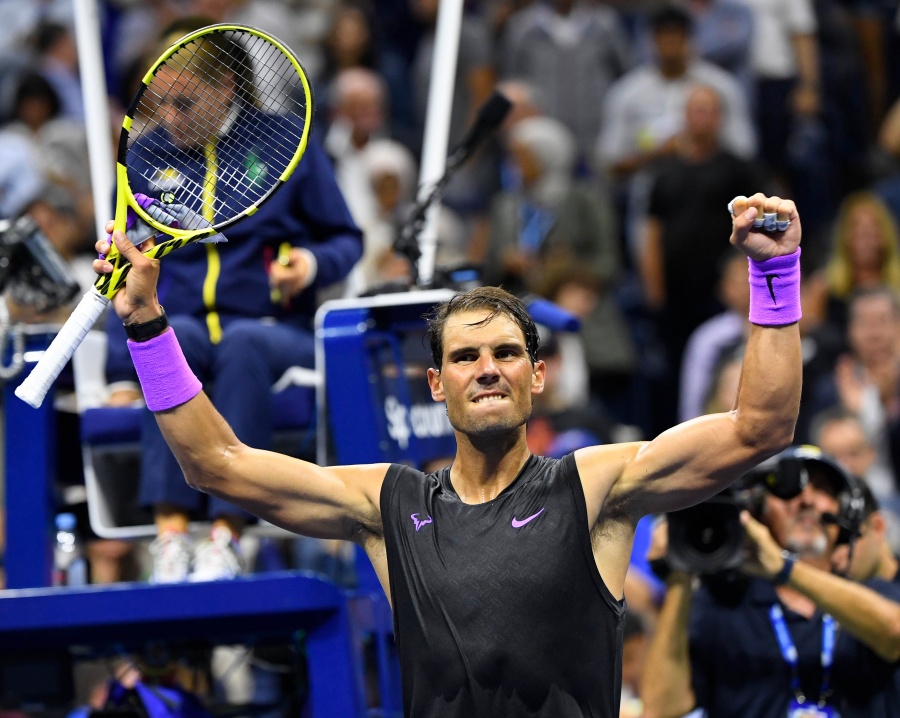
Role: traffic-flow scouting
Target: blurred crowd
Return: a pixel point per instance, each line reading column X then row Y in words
column 634, row 122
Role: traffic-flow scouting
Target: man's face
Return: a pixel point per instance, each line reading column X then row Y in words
column 844, row 440
column 487, row 379
column 673, row 48
column 873, row 329
column 797, row 523
column 192, row 110
column 703, row 114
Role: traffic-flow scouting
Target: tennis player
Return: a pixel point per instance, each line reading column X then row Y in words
column 505, row 570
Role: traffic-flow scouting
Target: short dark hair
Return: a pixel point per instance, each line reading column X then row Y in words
column 671, row 17
column 33, row 85
column 495, row 299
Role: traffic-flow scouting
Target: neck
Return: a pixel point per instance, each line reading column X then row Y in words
column 484, row 467
column 673, row 69
column 697, row 149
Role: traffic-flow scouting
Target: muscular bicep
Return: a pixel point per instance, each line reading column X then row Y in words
column 340, row 502
column 683, row 466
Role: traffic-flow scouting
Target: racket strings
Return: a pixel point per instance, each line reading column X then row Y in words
column 160, row 147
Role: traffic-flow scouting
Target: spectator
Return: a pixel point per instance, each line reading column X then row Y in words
column 715, row 338
column 20, row 181
column 353, row 40
column 359, row 115
column 645, row 108
column 468, row 192
column 723, row 34
column 865, row 252
column 717, row 648
column 59, row 142
column 581, row 41
column 58, row 62
column 240, row 337
column 678, row 264
column 785, row 58
column 645, row 113
column 842, row 435
column 552, row 223
column 866, row 379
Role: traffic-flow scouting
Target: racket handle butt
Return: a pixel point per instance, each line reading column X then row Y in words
column 36, row 385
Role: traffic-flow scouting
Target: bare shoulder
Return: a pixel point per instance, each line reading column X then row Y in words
column 600, row 467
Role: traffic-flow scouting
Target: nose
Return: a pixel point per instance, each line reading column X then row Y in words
column 807, row 495
column 487, row 368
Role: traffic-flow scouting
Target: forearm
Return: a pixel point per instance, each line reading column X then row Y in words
column 869, row 617
column 668, row 692
column 769, row 394
column 200, row 439
column 651, row 264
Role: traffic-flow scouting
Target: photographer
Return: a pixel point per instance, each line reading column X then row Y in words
column 786, row 637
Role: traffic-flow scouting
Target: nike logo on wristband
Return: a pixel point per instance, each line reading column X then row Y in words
column 769, row 278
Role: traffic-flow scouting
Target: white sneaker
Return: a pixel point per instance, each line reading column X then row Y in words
column 218, row 557
column 171, row 552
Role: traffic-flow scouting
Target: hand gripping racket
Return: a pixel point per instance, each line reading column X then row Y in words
column 218, row 125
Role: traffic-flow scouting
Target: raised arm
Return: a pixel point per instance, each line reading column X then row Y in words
column 336, row 502
column 696, row 459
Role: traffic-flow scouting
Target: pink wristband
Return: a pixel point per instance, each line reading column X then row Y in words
column 775, row 290
column 165, row 376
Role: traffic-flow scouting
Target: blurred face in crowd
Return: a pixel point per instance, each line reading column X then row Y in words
column 361, row 103
column 844, row 440
column 191, row 108
column 865, row 239
column 350, row 37
column 873, row 331
column 703, row 115
column 673, row 50
column 387, row 190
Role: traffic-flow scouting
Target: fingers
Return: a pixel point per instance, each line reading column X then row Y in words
column 771, row 214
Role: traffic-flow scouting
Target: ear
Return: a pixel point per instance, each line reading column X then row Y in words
column 436, row 385
column 538, row 374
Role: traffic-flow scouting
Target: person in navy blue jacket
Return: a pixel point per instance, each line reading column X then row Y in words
column 243, row 310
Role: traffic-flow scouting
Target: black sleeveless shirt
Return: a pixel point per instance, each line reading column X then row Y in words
column 499, row 609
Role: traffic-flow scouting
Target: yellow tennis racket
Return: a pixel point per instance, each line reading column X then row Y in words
column 218, row 125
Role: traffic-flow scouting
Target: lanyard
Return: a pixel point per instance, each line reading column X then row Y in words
column 789, row 652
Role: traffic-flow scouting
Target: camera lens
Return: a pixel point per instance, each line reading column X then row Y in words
column 706, row 538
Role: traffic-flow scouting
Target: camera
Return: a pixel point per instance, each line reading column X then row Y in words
column 708, row 538
column 31, row 268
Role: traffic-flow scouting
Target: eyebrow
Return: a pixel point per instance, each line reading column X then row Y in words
column 505, row 346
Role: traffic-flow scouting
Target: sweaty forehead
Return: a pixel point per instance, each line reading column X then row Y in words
column 467, row 326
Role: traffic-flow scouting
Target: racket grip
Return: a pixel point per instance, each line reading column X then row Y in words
column 36, row 385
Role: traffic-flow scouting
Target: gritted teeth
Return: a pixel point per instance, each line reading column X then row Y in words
column 487, row 397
